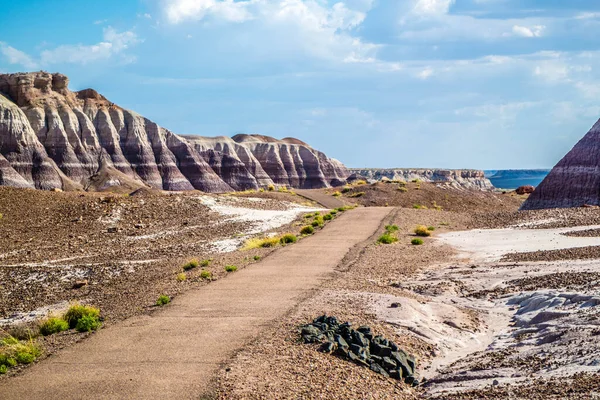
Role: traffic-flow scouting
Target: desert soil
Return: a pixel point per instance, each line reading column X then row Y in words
column 173, row 353
column 485, row 319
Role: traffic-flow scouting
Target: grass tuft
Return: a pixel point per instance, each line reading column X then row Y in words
column 307, row 230
column 336, row 194
column 87, row 323
column 387, row 238
column 431, row 228
column 78, row 311
column 231, row 268
column 163, row 300
column 391, row 228
column 422, row 230
column 256, row 258
column 416, row 242
column 53, row 325
column 288, row 238
column 182, row 277
column 205, row 275
column 191, row 264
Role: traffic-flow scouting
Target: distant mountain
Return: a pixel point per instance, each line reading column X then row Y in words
column 513, row 178
column 51, row 137
column 458, row 178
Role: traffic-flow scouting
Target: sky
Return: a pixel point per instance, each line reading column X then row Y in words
column 485, row 84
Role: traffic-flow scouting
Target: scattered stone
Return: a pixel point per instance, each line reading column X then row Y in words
column 80, row 284
column 360, row 347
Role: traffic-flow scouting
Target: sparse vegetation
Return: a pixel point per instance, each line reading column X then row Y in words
column 402, row 189
column 327, row 217
column 387, row 238
column 336, row 194
column 360, row 182
column 416, row 181
column 182, row 277
column 333, row 212
column 431, row 228
column 271, row 188
column 205, row 263
column 283, row 189
column 87, row 323
column 288, row 238
column 163, row 300
column 231, row 268
column 422, row 230
column 78, row 311
column 346, row 189
column 205, row 275
column 53, row 325
column 191, row 264
column 416, row 242
column 307, row 230
column 256, row 258
column 357, row 194
column 391, row 228
column 13, row 352
column 255, row 243
column 419, row 207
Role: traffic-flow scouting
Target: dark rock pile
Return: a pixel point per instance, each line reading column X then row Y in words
column 361, row 347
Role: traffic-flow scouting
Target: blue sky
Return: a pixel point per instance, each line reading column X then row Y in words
column 486, row 84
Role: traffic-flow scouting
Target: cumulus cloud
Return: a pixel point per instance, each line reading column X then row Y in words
column 322, row 30
column 432, row 7
column 18, row 57
column 114, row 44
column 181, row 10
column 534, row 31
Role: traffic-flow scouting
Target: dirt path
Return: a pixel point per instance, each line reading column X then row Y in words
column 326, row 200
column 175, row 352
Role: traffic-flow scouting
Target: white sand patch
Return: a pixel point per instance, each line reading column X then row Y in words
column 34, row 315
column 491, row 244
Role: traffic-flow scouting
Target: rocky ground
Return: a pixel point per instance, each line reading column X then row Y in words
column 126, row 250
column 477, row 329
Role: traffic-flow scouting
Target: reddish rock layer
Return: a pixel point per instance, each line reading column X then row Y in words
column 575, row 180
column 51, row 137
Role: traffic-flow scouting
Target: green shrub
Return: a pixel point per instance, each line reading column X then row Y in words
column 422, row 231
column 336, row 194
column 307, row 230
column 191, row 264
column 391, row 228
column 3, row 368
column 327, row 217
column 317, row 214
column 163, row 299
column 53, row 325
column 346, row 189
column 357, row 194
column 205, row 275
column 416, row 181
column 10, row 341
column 387, row 238
column 417, row 241
column 270, row 188
column 403, row 189
column 181, row 277
column 78, row 311
column 256, row 243
column 431, row 228
column 87, row 323
column 288, row 238
column 309, row 216
column 333, row 212
column 230, row 268
column 18, row 353
column 256, row 258
column 318, row 221
column 205, row 263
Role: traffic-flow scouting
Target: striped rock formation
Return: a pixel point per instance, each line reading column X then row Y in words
column 52, row 138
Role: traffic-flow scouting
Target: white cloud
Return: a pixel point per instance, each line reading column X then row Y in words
column 309, row 26
column 229, row 10
column 432, row 7
column 18, row 57
column 114, row 43
column 426, row 73
column 534, row 31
